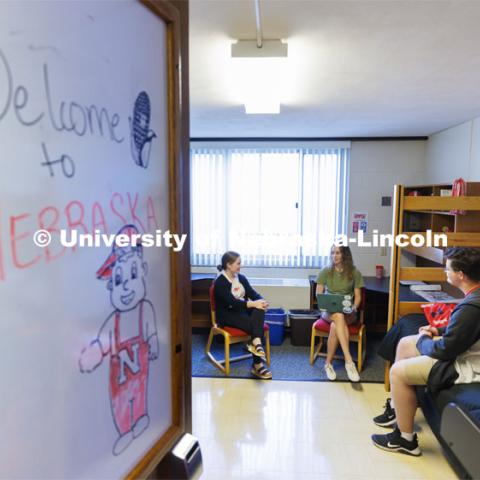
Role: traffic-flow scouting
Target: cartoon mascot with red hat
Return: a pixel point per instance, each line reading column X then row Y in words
column 128, row 336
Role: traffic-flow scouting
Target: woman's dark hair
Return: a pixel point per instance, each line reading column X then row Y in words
column 347, row 262
column 227, row 257
column 466, row 260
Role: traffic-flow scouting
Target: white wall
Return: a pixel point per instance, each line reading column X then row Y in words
column 375, row 167
column 454, row 153
column 374, row 170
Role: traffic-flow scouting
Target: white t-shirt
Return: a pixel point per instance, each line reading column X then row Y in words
column 238, row 291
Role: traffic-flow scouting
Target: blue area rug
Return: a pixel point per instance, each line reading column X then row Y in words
column 288, row 362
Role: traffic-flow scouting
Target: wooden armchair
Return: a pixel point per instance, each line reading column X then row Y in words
column 230, row 336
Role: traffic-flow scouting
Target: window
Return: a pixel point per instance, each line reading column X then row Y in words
column 278, row 207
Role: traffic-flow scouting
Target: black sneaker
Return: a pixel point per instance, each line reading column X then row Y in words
column 387, row 418
column 394, row 442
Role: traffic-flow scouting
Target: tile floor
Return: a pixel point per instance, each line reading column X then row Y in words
column 301, row 430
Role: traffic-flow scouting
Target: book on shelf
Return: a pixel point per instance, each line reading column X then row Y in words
column 433, row 287
column 438, row 297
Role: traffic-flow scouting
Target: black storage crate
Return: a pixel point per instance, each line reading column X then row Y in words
column 301, row 322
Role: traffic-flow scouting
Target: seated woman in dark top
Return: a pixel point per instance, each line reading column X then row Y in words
column 238, row 305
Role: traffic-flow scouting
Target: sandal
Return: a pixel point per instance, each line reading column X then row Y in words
column 263, row 372
column 256, row 350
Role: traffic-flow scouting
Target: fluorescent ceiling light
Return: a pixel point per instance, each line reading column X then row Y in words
column 262, row 105
column 259, row 73
column 269, row 48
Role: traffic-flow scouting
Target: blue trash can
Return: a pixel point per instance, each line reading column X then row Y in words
column 276, row 319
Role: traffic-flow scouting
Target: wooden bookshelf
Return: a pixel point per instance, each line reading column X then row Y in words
column 424, row 209
column 415, row 210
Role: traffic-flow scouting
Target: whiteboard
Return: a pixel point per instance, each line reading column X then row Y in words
column 83, row 146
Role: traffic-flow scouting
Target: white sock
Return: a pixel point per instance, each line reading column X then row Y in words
column 407, row 436
column 391, row 403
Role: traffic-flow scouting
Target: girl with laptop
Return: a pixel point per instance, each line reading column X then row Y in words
column 343, row 278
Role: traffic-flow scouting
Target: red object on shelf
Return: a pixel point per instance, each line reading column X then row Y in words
column 459, row 189
column 379, row 271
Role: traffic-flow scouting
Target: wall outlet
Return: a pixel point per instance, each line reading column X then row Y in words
column 383, row 251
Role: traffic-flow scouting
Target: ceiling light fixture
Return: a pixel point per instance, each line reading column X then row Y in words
column 259, row 66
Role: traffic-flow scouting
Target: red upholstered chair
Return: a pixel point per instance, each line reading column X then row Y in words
column 230, row 336
column 321, row 329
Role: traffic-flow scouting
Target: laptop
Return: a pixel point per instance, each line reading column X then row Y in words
column 330, row 302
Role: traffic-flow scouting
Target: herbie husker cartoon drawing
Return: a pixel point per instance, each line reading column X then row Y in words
column 129, row 336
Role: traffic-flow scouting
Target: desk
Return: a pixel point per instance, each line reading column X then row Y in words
column 376, row 300
column 200, row 299
column 381, row 285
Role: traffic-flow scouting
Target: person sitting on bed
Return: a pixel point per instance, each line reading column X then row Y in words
column 240, row 306
column 343, row 278
column 438, row 356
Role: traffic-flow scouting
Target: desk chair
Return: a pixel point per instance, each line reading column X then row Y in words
column 357, row 333
column 231, row 335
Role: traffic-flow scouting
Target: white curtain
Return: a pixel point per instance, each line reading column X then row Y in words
column 325, row 202
column 278, row 207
